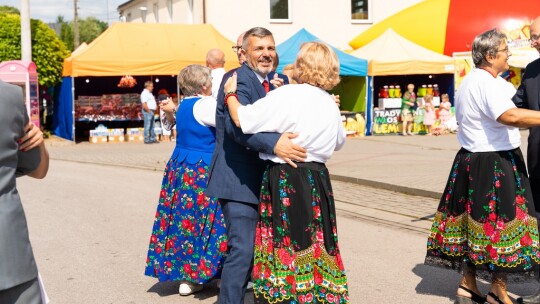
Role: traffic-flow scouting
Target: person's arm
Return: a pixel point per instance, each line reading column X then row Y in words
column 521, row 118
column 31, row 142
column 169, row 109
column 43, row 168
column 265, row 142
column 144, row 101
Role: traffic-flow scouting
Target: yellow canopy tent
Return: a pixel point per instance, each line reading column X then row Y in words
column 147, row 49
column 67, row 61
column 391, row 54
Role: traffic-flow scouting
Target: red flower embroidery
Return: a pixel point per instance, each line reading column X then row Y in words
column 318, row 278
column 187, row 268
column 526, row 240
column 488, row 228
column 316, row 251
column 316, row 212
column 495, row 237
column 186, row 224
column 520, row 200
column 520, row 214
column 442, row 226
column 439, row 238
column 497, row 184
column 257, row 271
column 223, row 246
column 330, row 298
column 492, row 217
column 168, row 264
column 286, row 202
column 200, row 199
column 201, row 170
column 286, row 241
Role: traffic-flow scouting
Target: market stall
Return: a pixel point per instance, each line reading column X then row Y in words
column 393, row 63
column 102, row 80
column 353, row 71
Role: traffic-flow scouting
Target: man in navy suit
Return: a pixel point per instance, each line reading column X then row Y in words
column 236, row 169
column 528, row 96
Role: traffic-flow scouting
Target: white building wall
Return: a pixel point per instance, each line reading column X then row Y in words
column 329, row 20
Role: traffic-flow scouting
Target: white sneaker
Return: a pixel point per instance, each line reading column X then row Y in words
column 186, row 288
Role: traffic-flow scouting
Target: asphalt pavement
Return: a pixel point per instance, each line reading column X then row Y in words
column 91, row 217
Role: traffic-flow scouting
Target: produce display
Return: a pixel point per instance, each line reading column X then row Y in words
column 108, row 107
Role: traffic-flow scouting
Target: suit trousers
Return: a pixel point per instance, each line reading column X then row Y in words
column 241, row 221
column 25, row 293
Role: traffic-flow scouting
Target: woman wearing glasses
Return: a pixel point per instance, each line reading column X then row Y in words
column 485, row 225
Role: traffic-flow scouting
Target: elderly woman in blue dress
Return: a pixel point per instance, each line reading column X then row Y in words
column 189, row 241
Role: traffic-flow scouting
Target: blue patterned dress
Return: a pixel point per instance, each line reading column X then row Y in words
column 189, row 239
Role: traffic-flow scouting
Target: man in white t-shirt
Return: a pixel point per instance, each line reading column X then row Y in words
column 215, row 60
column 149, row 106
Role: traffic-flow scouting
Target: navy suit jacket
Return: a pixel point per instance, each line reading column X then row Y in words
column 528, row 97
column 236, row 170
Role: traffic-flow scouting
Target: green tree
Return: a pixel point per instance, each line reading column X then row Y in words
column 89, row 29
column 48, row 52
column 66, row 32
column 9, row 10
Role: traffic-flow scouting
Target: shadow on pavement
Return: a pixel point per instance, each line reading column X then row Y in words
column 439, row 282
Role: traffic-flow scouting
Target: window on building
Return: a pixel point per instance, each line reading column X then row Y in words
column 170, row 9
column 143, row 14
column 156, row 12
column 280, row 11
column 128, row 18
column 360, row 11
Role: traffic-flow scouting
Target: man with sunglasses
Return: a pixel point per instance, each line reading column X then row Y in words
column 528, row 96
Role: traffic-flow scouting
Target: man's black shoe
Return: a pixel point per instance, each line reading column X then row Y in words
column 532, row 299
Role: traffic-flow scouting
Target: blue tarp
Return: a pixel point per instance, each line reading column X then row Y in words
column 63, row 110
column 349, row 65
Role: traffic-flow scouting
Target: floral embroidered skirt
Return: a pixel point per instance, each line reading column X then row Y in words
column 297, row 258
column 189, row 238
column 486, row 219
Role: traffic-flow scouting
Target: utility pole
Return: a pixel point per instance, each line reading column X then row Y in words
column 26, row 34
column 76, row 41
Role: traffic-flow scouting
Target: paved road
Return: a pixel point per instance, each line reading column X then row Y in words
column 90, row 226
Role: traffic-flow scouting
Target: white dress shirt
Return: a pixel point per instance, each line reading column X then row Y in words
column 299, row 108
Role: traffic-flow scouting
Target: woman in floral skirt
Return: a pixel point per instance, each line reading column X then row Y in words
column 297, row 257
column 188, row 241
column 485, row 225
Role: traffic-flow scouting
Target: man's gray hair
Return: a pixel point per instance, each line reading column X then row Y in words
column 259, row 32
column 486, row 44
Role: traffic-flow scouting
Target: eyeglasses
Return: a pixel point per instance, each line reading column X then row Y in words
column 505, row 50
column 236, row 48
column 534, row 38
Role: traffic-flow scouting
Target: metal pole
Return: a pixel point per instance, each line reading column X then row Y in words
column 26, row 34
column 76, row 40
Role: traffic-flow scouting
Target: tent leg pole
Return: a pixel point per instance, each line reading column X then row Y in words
column 73, row 108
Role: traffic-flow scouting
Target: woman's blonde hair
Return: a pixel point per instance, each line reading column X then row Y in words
column 289, row 71
column 192, row 78
column 317, row 64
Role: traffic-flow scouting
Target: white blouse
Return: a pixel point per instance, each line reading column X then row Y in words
column 480, row 100
column 298, row 108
